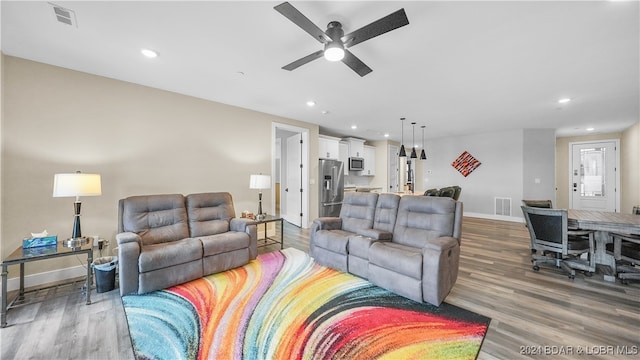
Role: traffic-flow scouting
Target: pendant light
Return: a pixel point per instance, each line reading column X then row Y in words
column 423, row 156
column 413, row 148
column 402, row 152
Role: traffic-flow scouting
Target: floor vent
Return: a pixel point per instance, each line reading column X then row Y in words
column 64, row 15
column 503, row 206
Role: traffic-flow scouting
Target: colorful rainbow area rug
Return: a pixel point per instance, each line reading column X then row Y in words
column 285, row 306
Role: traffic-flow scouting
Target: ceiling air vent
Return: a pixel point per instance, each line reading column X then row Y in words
column 64, row 15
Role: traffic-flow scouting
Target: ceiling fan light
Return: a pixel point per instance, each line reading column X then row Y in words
column 334, row 51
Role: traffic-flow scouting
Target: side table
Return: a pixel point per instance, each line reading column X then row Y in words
column 21, row 256
column 267, row 240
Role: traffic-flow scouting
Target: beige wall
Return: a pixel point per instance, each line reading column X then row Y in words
column 562, row 164
column 630, row 163
column 141, row 140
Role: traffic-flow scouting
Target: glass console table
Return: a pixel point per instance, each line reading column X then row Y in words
column 21, row 256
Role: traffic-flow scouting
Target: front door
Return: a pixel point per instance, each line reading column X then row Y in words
column 593, row 177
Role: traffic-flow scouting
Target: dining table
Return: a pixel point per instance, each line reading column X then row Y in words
column 603, row 223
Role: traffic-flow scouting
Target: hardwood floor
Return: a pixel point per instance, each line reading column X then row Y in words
column 534, row 314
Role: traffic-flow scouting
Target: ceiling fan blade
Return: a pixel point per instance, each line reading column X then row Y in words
column 355, row 64
column 296, row 64
column 378, row 27
column 302, row 21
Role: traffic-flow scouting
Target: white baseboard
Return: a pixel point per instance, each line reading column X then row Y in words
column 494, row 217
column 46, row 277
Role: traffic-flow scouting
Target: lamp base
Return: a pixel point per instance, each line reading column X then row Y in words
column 75, row 242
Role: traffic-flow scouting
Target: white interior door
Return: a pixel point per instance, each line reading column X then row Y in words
column 593, row 176
column 394, row 181
column 294, row 180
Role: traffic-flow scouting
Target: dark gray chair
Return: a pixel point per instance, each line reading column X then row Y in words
column 555, row 244
column 626, row 250
column 545, row 204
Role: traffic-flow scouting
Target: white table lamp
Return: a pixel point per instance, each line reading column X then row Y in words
column 76, row 185
column 260, row 182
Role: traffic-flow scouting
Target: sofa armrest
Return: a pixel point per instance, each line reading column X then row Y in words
column 375, row 234
column 127, row 237
column 128, row 256
column 250, row 227
column 328, row 223
column 441, row 244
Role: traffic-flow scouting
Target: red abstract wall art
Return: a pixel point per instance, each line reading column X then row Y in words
column 465, row 164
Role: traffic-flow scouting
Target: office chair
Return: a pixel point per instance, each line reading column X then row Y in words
column 626, row 251
column 546, row 204
column 557, row 245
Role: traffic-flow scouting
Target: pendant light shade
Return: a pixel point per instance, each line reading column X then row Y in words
column 413, row 148
column 403, row 153
column 423, row 156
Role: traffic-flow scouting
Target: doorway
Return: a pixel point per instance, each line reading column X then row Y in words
column 593, row 178
column 393, row 171
column 291, row 171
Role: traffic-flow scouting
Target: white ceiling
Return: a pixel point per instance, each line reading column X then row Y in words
column 458, row 67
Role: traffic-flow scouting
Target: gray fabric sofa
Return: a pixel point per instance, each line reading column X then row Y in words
column 169, row 239
column 409, row 245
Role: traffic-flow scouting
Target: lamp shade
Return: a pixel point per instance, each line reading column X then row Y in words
column 77, row 184
column 260, row 182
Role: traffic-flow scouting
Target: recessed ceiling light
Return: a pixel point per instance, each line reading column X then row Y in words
column 311, row 103
column 149, row 53
column 564, row 100
column 325, row 112
column 354, row 127
column 386, row 135
column 590, row 129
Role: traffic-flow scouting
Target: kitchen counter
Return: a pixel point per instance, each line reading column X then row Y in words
column 362, row 189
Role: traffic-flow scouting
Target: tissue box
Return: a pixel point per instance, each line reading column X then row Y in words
column 39, row 241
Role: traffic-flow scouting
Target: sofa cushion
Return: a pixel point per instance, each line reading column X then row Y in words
column 209, row 213
column 358, row 210
column 386, row 212
column 156, row 218
column 226, row 242
column 162, row 255
column 333, row 240
column 359, row 246
column 398, row 258
column 422, row 218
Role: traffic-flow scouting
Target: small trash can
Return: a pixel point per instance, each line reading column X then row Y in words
column 105, row 273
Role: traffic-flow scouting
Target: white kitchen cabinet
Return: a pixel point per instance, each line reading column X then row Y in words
column 356, row 147
column 328, row 147
column 343, row 152
column 369, row 156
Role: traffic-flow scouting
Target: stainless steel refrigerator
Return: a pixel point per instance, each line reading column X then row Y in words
column 331, row 173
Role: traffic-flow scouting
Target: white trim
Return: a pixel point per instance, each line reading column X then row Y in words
column 494, row 217
column 305, row 162
column 47, row 277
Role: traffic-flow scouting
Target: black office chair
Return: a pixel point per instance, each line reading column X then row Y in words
column 626, row 250
column 557, row 245
column 546, row 204
column 432, row 192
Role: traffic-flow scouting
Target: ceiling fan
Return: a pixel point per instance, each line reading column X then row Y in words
column 334, row 40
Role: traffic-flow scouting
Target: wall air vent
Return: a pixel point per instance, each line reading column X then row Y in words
column 503, row 206
column 64, row 15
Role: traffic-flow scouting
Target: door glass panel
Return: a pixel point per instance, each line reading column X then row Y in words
column 592, row 170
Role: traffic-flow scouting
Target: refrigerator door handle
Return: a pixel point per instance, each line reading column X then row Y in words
column 335, row 177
